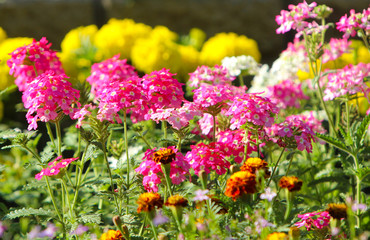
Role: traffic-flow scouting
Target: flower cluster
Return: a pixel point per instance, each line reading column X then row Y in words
column 207, row 157
column 240, row 184
column 354, row 23
column 151, row 169
column 286, row 94
column 55, row 167
column 349, row 80
column 291, row 183
column 29, row 61
column 47, row 96
column 314, row 123
column 149, row 201
column 240, row 65
column 314, row 220
column 218, row 75
column 253, row 165
column 112, row 235
column 211, row 98
column 335, row 49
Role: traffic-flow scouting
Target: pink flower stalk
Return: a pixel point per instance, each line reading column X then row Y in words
column 286, row 94
column 211, row 98
column 207, row 157
column 253, row 110
column 317, row 220
column 354, row 23
column 47, row 96
column 349, row 80
column 153, row 174
column 292, row 133
column 295, row 18
column 218, row 75
column 309, row 118
column 162, row 90
column 335, row 49
column 126, row 94
column 30, row 61
column 177, row 117
column 108, row 71
column 55, row 167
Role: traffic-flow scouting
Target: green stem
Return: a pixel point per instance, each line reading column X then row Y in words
column 127, row 157
column 245, row 146
column 241, row 81
column 54, row 203
column 50, row 133
column 277, row 163
column 155, row 233
column 214, row 128
column 289, row 199
column 59, row 137
column 164, row 128
column 167, row 178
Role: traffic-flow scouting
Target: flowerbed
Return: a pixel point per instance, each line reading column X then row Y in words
column 137, row 133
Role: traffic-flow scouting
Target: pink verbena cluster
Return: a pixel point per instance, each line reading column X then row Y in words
column 349, row 80
column 177, row 117
column 354, row 23
column 218, row 75
column 55, row 167
column 311, row 220
column 309, row 118
column 208, row 97
column 335, row 49
column 29, row 61
column 153, row 173
column 207, row 157
column 292, row 133
column 286, row 94
column 47, row 96
column 252, row 109
column 108, row 71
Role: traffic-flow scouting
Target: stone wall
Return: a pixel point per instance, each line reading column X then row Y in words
column 253, row 18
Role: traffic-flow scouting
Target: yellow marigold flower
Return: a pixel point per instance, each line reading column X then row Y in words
column 277, row 236
column 337, row 210
column 162, row 32
column 360, row 53
column 189, row 61
column 112, row 235
column 292, row 183
column 75, row 38
column 119, row 36
column 197, row 38
column 148, row 201
column 176, row 201
column 227, row 45
column 7, row 46
column 154, row 54
column 254, row 164
column 240, row 183
column 164, row 156
column 3, row 35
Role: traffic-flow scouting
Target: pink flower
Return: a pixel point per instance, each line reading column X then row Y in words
column 253, row 110
column 153, row 173
column 335, row 49
column 354, row 23
column 81, row 113
column 108, row 71
column 309, row 118
column 55, row 167
column 47, row 96
column 286, row 94
column 218, row 75
column 349, row 80
column 207, row 157
column 314, row 219
column 30, row 61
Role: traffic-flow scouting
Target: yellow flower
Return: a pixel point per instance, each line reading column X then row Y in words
column 112, row 235
column 292, row 183
column 254, row 164
column 189, row 61
column 226, row 45
column 176, row 201
column 148, row 201
column 77, row 37
column 277, row 236
column 337, row 210
column 162, row 32
column 3, row 35
column 7, row 46
column 119, row 36
column 240, row 183
column 164, row 156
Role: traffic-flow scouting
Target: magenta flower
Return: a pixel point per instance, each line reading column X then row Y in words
column 30, row 61
column 218, row 75
column 55, row 167
column 108, row 71
column 153, row 173
column 253, row 110
column 309, row 118
column 354, row 23
column 207, row 157
column 292, row 133
column 314, row 219
column 286, row 94
column 349, row 80
column 47, row 96
column 335, row 49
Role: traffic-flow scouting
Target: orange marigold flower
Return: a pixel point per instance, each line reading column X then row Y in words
column 277, row 236
column 292, row 183
column 148, row 201
column 176, row 201
column 337, row 210
column 112, row 235
column 164, row 156
column 254, row 164
column 240, row 183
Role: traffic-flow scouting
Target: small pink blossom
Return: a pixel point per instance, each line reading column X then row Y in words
column 335, row 49
column 218, row 75
column 55, row 167
column 314, row 219
column 207, row 97
column 354, row 22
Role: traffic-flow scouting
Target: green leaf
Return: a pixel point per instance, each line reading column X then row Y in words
column 90, row 218
column 334, row 141
column 361, row 131
column 25, row 212
column 7, row 90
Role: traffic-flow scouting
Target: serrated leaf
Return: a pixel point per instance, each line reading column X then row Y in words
column 362, row 172
column 11, row 146
column 24, row 212
column 91, row 152
column 362, row 129
column 334, row 141
column 90, row 218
